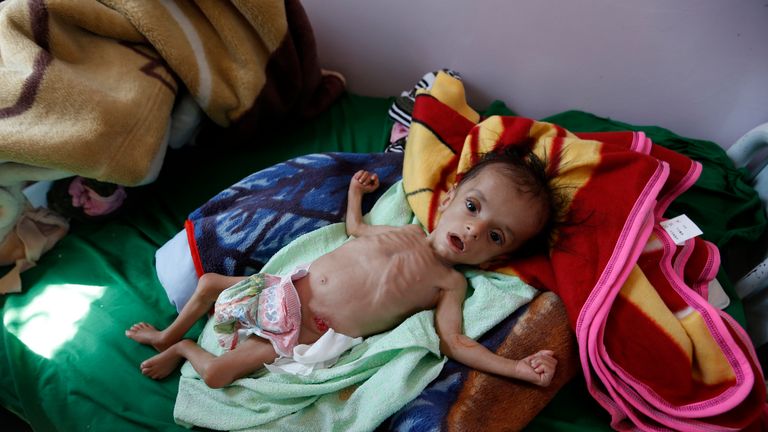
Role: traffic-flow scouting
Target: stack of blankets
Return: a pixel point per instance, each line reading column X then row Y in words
column 88, row 88
column 655, row 354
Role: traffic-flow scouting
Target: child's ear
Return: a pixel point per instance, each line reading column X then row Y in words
column 447, row 199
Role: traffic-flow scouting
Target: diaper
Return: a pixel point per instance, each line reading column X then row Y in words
column 265, row 305
column 322, row 354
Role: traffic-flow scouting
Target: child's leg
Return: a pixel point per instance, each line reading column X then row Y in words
column 207, row 291
column 250, row 355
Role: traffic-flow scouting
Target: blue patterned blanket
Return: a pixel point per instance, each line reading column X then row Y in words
column 240, row 228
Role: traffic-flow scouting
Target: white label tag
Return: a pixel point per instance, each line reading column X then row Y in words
column 681, row 228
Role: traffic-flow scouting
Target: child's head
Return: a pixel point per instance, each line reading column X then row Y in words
column 502, row 203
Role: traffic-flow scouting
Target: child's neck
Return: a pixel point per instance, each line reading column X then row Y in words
column 442, row 259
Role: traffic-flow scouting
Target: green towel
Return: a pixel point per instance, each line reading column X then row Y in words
column 367, row 384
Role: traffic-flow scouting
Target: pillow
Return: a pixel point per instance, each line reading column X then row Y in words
column 239, row 229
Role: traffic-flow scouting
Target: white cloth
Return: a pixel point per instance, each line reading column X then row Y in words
column 321, row 354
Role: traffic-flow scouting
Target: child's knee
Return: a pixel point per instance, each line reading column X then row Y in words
column 215, row 382
column 209, row 285
column 217, row 376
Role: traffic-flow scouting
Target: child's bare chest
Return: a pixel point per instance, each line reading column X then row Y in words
column 388, row 275
column 404, row 269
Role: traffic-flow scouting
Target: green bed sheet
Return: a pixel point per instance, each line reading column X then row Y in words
column 66, row 364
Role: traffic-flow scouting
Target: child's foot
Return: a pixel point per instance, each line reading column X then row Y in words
column 147, row 334
column 161, row 365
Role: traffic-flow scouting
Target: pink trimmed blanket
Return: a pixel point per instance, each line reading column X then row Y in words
column 654, row 353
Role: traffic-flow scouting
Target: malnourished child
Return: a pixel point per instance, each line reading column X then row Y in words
column 373, row 282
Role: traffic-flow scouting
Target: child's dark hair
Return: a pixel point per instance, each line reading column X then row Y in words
column 530, row 174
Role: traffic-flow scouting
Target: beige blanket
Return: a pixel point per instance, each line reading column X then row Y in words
column 86, row 87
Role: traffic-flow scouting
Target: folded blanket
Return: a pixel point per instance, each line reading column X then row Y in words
column 88, row 86
column 724, row 190
column 654, row 353
column 36, row 231
column 369, row 383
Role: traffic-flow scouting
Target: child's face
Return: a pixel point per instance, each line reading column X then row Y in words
column 486, row 216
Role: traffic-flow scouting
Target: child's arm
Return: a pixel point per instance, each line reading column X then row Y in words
column 538, row 368
column 362, row 182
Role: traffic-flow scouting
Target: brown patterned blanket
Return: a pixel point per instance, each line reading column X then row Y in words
column 87, row 87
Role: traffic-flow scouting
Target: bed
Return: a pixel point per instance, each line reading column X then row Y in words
column 68, row 365
column 64, row 351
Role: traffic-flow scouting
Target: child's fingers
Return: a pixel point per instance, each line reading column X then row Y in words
column 362, row 177
column 369, row 179
column 549, row 362
column 366, row 179
column 544, row 368
column 543, row 361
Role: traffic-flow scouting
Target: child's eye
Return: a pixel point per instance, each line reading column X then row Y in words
column 471, row 206
column 496, row 237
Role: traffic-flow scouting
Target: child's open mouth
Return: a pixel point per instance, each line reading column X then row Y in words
column 456, row 242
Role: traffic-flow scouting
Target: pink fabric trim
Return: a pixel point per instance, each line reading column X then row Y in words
column 640, row 143
column 621, row 387
column 624, row 397
column 597, row 306
column 685, row 183
column 629, row 246
column 709, row 272
column 681, row 256
column 736, row 358
column 717, row 405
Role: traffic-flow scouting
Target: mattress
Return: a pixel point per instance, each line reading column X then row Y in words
column 66, row 362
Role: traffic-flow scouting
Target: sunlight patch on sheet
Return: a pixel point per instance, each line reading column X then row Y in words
column 52, row 318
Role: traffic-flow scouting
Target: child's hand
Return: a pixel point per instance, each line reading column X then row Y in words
column 538, row 368
column 364, row 182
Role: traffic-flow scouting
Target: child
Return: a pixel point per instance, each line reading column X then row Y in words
column 373, row 282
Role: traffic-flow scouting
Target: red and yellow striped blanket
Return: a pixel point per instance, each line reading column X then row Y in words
column 654, row 353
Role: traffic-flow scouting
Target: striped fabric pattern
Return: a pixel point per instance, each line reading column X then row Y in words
column 654, row 353
column 402, row 108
